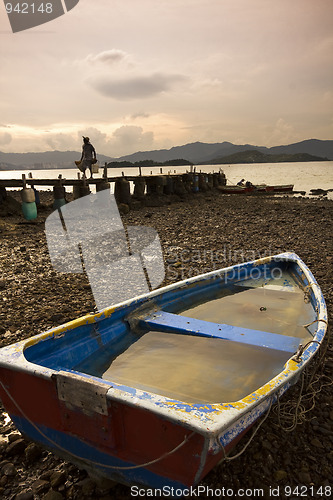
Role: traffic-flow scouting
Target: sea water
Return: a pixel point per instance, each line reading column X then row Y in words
column 304, row 175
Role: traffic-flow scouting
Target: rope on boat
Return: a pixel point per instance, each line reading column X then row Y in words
column 315, row 321
column 231, row 182
column 187, row 438
column 323, row 349
column 295, row 411
column 299, row 411
column 59, row 447
column 295, row 417
column 227, row 458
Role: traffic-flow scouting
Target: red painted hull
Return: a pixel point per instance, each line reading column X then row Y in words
column 125, row 435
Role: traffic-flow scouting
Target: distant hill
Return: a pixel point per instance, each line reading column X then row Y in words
column 200, row 153
column 195, row 153
column 311, row 146
column 254, row 156
column 148, row 163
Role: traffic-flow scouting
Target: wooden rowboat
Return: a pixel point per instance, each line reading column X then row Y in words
column 258, row 188
column 156, row 390
column 235, row 189
column 281, row 188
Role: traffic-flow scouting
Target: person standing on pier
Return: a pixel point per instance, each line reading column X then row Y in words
column 88, row 157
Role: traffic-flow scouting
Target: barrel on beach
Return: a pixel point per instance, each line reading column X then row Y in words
column 29, row 208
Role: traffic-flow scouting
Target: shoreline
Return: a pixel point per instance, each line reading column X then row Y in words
column 198, row 233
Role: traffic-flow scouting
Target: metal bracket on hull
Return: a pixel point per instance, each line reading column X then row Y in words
column 80, row 392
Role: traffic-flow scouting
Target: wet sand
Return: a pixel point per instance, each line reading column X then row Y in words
column 198, row 233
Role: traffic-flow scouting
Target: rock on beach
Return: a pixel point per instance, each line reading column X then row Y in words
column 198, row 233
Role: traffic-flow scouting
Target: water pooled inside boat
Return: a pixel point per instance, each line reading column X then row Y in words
column 203, row 369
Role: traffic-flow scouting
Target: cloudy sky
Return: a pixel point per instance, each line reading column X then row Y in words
column 151, row 74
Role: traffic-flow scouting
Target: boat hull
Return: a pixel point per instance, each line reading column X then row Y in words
column 138, row 436
column 255, row 189
column 115, row 444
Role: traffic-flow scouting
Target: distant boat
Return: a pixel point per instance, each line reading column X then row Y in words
column 156, row 390
column 259, row 188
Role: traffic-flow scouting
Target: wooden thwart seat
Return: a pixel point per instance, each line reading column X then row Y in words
column 174, row 323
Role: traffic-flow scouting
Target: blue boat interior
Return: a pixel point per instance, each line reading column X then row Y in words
column 231, row 332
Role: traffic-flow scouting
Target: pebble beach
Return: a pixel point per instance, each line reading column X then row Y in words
column 198, row 233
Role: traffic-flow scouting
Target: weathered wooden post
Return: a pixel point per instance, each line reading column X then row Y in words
column 103, row 184
column 37, row 199
column 188, row 182
column 168, row 188
column 3, row 194
column 209, row 181
column 76, row 188
column 84, row 188
column 160, row 183
column 202, row 183
column 195, row 186
column 222, row 180
column 151, row 185
column 139, row 188
column 178, row 185
column 122, row 191
column 215, row 179
column 59, row 194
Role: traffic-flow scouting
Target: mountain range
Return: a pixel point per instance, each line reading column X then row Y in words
column 199, row 152
column 196, row 153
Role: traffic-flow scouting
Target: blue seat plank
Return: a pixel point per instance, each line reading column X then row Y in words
column 174, row 323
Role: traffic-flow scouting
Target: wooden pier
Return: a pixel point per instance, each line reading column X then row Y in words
column 19, row 183
column 142, row 185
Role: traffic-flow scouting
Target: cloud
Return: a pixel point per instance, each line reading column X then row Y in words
column 281, row 133
column 107, row 57
column 123, row 140
column 99, row 139
column 127, row 133
column 5, row 138
column 130, row 138
column 142, row 114
column 60, row 141
column 139, row 87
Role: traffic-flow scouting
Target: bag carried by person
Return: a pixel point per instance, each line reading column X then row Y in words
column 79, row 165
